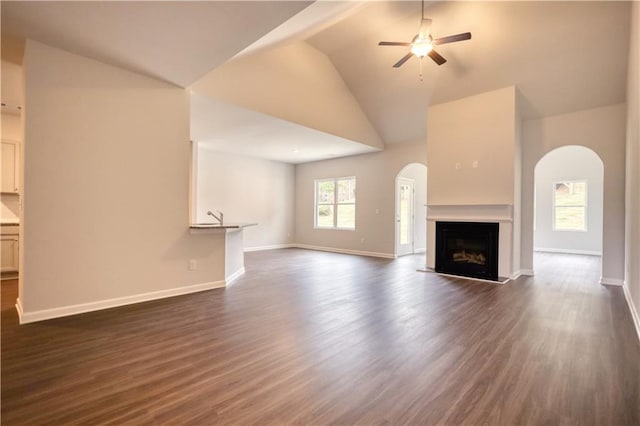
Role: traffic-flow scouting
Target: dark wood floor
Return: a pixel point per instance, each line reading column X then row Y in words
column 316, row 338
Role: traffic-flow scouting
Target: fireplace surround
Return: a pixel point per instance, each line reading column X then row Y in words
column 468, row 249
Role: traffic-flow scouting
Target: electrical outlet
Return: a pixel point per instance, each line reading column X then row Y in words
column 192, row 265
column 475, row 164
column 457, row 166
column 362, row 240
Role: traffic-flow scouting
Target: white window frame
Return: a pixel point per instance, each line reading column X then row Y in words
column 335, row 204
column 585, row 206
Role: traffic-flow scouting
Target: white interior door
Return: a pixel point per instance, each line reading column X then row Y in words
column 404, row 216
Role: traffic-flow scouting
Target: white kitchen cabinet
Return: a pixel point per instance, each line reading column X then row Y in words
column 9, row 248
column 12, row 83
column 10, row 162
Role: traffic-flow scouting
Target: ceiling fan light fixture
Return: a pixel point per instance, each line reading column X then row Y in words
column 423, row 43
column 421, row 49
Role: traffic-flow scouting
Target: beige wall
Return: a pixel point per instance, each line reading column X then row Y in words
column 248, row 189
column 106, row 194
column 477, row 128
column 603, row 131
column 632, row 212
column 297, row 83
column 375, row 200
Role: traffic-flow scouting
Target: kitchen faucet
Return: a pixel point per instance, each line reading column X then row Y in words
column 218, row 218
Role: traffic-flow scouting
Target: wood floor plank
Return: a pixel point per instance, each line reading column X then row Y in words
column 309, row 337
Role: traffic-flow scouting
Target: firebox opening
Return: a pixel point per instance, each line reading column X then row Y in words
column 468, row 249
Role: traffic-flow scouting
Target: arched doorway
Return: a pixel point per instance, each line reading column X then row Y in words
column 568, row 203
column 411, row 210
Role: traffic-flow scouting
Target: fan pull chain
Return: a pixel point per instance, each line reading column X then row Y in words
column 421, row 68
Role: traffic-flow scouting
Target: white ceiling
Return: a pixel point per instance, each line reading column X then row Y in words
column 175, row 41
column 317, row 16
column 225, row 127
column 563, row 56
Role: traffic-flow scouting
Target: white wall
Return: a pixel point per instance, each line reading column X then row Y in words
column 375, row 198
column 565, row 164
column 603, row 131
column 297, row 83
column 632, row 210
column 106, row 193
column 418, row 173
column 247, row 189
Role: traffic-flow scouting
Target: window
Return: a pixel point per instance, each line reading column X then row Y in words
column 570, row 206
column 336, row 203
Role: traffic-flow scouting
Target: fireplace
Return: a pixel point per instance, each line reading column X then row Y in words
column 469, row 249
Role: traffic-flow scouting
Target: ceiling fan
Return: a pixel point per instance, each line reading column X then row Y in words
column 423, row 43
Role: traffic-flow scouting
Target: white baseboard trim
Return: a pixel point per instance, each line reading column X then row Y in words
column 568, row 251
column 231, row 278
column 347, row 251
column 45, row 314
column 9, row 276
column 271, row 247
column 516, row 275
column 419, row 250
column 632, row 308
column 19, row 309
column 611, row 281
column 527, row 272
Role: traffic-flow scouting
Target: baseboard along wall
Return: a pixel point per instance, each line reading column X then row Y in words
column 64, row 311
column 347, row 251
column 611, row 281
column 231, row 278
column 568, row 251
column 516, row 275
column 270, row 247
column 632, row 308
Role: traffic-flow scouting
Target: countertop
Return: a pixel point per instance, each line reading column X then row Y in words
column 231, row 225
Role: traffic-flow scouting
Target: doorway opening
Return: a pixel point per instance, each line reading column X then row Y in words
column 411, row 210
column 568, row 204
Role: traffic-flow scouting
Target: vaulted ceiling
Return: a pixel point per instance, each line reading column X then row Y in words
column 175, row 41
column 562, row 56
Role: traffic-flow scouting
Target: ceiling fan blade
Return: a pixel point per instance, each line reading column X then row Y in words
column 437, row 58
column 404, row 59
column 393, row 43
column 452, row 38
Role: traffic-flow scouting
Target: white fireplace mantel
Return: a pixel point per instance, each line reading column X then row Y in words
column 501, row 213
column 470, row 212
